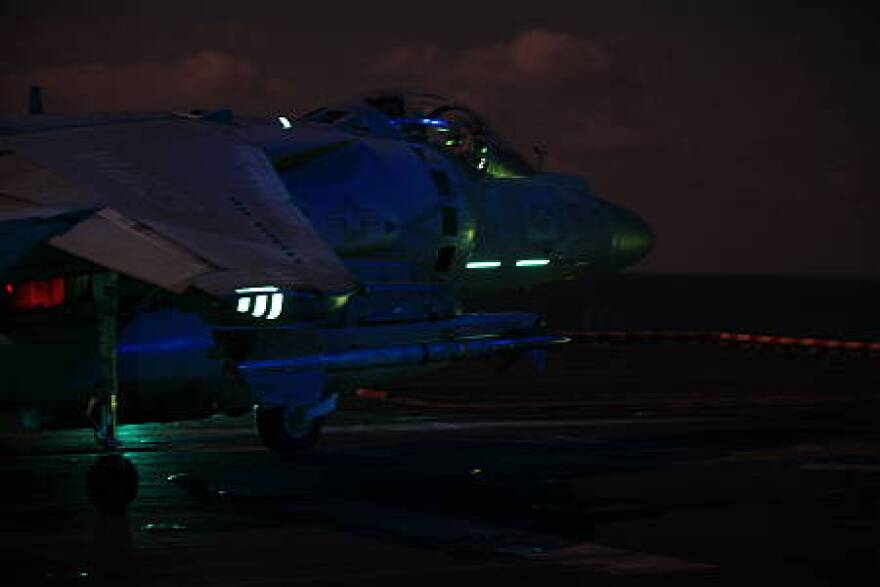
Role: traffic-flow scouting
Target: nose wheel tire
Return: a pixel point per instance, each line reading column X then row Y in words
column 287, row 430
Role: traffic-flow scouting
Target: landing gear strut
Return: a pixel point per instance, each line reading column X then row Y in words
column 106, row 296
column 113, row 479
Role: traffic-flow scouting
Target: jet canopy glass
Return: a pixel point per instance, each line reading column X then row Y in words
column 453, row 129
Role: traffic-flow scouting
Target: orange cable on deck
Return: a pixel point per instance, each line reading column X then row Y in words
column 744, row 338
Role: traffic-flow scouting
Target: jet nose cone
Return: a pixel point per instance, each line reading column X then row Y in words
column 631, row 237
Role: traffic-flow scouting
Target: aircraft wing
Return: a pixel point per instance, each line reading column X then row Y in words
column 174, row 202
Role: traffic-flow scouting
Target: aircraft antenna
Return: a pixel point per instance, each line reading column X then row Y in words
column 35, row 105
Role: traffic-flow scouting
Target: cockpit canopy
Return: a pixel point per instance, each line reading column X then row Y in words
column 446, row 125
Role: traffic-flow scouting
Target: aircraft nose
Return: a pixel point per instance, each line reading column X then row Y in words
column 631, row 236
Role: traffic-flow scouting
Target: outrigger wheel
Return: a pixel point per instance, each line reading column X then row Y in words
column 288, row 430
column 112, row 482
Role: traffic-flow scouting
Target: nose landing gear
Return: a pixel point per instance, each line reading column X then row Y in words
column 292, row 429
column 286, row 430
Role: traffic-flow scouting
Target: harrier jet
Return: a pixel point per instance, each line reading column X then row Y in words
column 163, row 266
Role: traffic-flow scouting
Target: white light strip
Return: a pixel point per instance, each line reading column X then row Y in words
column 244, row 305
column 483, row 264
column 260, row 306
column 285, row 122
column 277, row 305
column 261, row 289
column 532, row 262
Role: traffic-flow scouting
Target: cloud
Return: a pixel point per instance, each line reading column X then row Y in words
column 203, row 79
column 592, row 134
column 533, row 57
column 576, row 85
column 538, row 54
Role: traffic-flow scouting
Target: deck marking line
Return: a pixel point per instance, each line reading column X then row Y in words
column 618, row 561
column 841, row 467
column 433, row 426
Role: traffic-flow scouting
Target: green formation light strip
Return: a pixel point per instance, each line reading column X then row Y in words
column 483, row 264
column 532, row 262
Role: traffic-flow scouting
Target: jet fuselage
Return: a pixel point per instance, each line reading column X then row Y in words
column 421, row 206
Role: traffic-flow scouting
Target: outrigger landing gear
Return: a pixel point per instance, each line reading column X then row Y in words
column 106, row 296
column 113, row 479
column 104, row 422
column 112, row 482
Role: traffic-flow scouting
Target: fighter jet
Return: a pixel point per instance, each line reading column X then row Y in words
column 162, row 266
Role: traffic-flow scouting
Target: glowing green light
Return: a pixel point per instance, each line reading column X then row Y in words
column 532, row 262
column 498, row 171
column 277, row 306
column 261, row 289
column 450, row 142
column 260, row 306
column 484, row 150
column 339, row 301
column 483, row 264
column 264, row 305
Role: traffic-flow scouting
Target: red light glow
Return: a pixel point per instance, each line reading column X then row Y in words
column 33, row 295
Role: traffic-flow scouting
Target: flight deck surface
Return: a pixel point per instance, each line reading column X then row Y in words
column 629, row 464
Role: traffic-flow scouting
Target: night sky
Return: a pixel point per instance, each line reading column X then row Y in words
column 745, row 132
